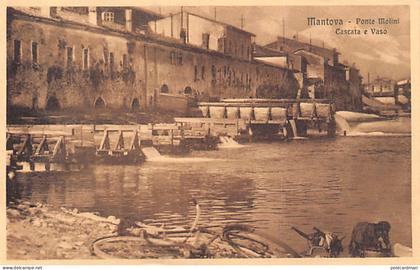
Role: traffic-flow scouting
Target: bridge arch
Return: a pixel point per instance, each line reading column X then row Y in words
column 135, row 105
column 99, row 103
column 188, row 90
column 164, row 89
column 52, row 104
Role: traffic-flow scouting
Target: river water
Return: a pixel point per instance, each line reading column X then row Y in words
column 328, row 183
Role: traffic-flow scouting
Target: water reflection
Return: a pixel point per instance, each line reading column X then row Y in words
column 331, row 184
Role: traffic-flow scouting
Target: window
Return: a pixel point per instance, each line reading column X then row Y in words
column 202, row 72
column 164, row 89
column 70, row 56
column 106, row 58
column 195, row 73
column 173, row 58
column 221, row 44
column 111, row 60
column 206, row 39
column 188, row 90
column 108, row 16
column 213, row 72
column 125, row 61
column 17, row 50
column 180, row 59
column 34, row 52
column 85, row 58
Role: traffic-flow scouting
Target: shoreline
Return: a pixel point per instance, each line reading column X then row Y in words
column 38, row 231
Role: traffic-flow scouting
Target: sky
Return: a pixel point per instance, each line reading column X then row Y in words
column 380, row 55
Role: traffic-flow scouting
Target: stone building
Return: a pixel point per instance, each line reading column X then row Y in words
column 111, row 57
column 323, row 74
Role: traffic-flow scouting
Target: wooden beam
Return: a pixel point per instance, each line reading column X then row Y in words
column 105, row 141
column 58, row 148
column 134, row 144
column 43, row 145
column 120, row 143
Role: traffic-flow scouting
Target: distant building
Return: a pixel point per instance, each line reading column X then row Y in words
column 380, row 86
column 323, row 75
column 206, row 33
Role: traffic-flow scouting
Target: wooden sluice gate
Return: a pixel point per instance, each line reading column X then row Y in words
column 36, row 152
column 119, row 145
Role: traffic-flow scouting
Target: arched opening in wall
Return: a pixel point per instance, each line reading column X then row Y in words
column 135, row 105
column 99, row 103
column 188, row 91
column 52, row 104
column 164, row 89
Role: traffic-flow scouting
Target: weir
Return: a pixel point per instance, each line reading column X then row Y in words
column 270, row 117
column 221, row 124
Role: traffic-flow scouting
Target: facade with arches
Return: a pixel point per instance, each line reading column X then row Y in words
column 85, row 66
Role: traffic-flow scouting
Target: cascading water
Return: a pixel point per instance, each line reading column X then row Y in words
column 152, row 154
column 294, row 129
column 365, row 125
column 228, row 142
column 342, row 124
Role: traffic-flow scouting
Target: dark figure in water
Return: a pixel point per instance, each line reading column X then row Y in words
column 370, row 236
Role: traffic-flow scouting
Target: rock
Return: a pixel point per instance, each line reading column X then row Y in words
column 22, row 252
column 13, row 212
column 37, row 222
column 65, row 245
column 42, row 252
column 22, row 206
column 75, row 211
column 79, row 243
column 33, row 211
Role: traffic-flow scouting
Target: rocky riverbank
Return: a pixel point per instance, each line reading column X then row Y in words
column 37, row 231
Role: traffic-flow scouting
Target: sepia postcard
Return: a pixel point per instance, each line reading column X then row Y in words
column 210, row 132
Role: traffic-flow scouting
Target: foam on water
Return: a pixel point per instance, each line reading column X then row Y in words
column 228, row 142
column 396, row 128
column 152, row 154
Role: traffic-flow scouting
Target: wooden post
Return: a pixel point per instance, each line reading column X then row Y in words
column 120, row 143
column 43, row 145
column 26, row 148
column 105, row 141
column 172, row 137
column 134, row 144
column 58, row 148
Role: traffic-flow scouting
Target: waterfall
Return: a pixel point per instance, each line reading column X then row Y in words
column 228, row 142
column 371, row 125
column 342, row 124
column 294, row 130
column 151, row 153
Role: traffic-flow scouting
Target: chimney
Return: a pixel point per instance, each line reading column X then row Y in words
column 129, row 20
column 93, row 16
